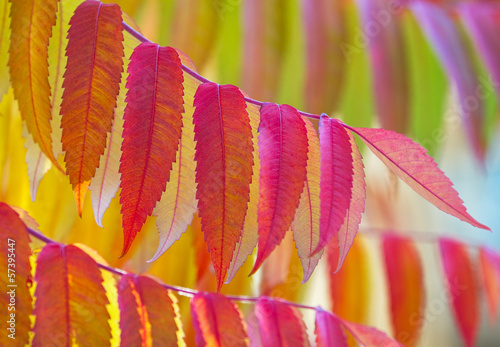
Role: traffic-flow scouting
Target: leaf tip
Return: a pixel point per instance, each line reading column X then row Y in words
column 79, row 193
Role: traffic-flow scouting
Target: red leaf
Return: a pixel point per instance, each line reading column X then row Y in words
column 490, row 265
column 336, row 178
column 249, row 234
column 217, row 321
column 329, row 331
column 178, row 203
column 151, row 133
column 283, row 160
column 91, row 84
column 224, row 169
column 149, row 315
column 411, row 163
column 280, row 324
column 462, row 288
column 406, row 287
column 70, row 299
column 349, row 229
column 445, row 37
column 305, row 224
column 31, row 27
column 16, row 278
column 389, row 64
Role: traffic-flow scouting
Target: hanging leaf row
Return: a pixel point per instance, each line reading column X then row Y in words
column 76, row 293
column 253, row 170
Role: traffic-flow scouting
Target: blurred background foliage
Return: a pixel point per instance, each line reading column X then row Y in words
column 371, row 63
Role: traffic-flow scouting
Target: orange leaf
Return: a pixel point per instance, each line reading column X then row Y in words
column 462, row 287
column 149, row 315
column 70, row 299
column 15, row 268
column 406, row 287
column 217, row 321
column 31, row 27
column 490, row 264
column 91, row 84
column 151, row 133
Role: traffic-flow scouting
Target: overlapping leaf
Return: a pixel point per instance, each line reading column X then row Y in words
column 283, row 160
column 31, row 27
column 462, row 287
column 152, row 129
column 305, row 225
column 280, row 324
column 217, row 321
column 249, row 234
column 415, row 167
column 224, row 169
column 69, row 296
column 16, row 278
column 38, row 163
column 178, row 203
column 406, row 287
column 149, row 315
column 4, row 48
column 349, row 228
column 336, row 178
column 91, row 84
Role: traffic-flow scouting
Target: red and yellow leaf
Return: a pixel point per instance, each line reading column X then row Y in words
column 152, row 129
column 349, row 229
column 415, row 167
column 328, row 330
column 4, row 48
column 336, row 178
column 462, row 287
column 368, row 336
column 406, row 287
column 224, row 169
column 283, row 160
column 305, row 224
column 16, row 278
column 70, row 299
column 490, row 265
column 217, row 321
column 249, row 234
column 280, row 324
column 91, row 84
column 178, row 203
column 31, row 27
column 149, row 315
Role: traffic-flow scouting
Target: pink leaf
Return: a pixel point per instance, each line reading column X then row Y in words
column 283, row 160
column 329, row 330
column 415, row 167
column 336, row 178
column 280, row 324
column 462, row 288
column 368, row 336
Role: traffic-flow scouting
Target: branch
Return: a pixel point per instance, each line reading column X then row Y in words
column 200, row 78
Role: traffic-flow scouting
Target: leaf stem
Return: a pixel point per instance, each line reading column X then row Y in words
column 138, row 36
